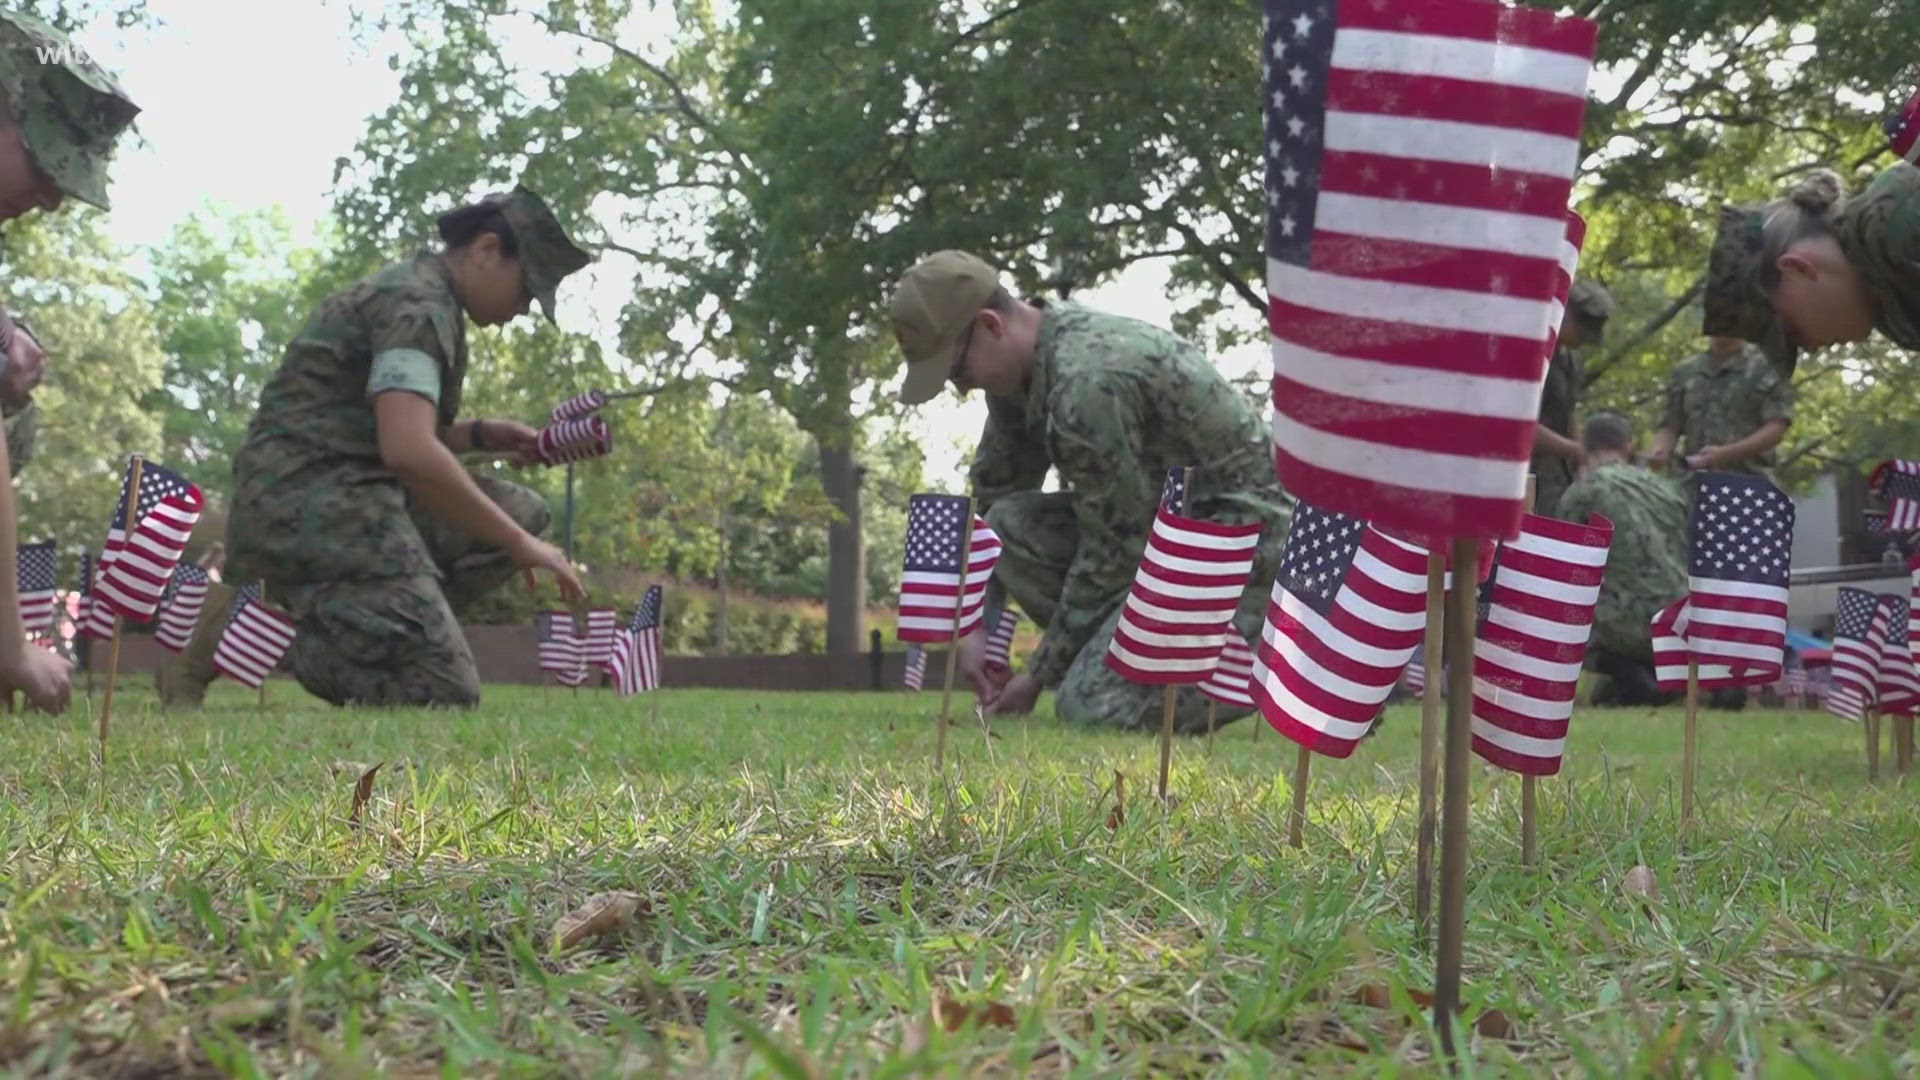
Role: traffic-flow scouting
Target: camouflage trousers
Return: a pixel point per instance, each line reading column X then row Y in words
column 1039, row 538
column 397, row 641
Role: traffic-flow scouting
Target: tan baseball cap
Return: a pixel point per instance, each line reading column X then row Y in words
column 933, row 305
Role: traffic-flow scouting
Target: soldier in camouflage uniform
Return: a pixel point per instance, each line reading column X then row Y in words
column 349, row 501
column 1646, row 562
column 1556, row 453
column 60, row 124
column 1112, row 403
column 1729, row 407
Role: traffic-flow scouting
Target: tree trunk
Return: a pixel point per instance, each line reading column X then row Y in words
column 846, row 552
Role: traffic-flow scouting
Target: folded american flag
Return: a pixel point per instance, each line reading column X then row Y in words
column 1733, row 619
column 1859, row 636
column 1899, row 680
column 180, row 609
column 601, row 626
column 1349, row 606
column 1528, row 651
column 636, row 648
column 573, row 440
column 34, row 566
column 1231, row 680
column 1180, row 610
column 916, row 667
column 255, row 638
column 1419, row 159
column 578, row 406
column 1897, row 482
column 1000, row 642
column 930, row 583
column 562, row 653
column 143, row 547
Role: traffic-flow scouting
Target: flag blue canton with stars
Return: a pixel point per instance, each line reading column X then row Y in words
column 35, row 567
column 1742, row 530
column 647, row 615
column 1320, row 548
column 935, row 526
column 1299, row 56
column 157, row 483
column 1173, row 496
column 1854, row 615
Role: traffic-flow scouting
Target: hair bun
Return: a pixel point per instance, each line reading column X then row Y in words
column 1818, row 191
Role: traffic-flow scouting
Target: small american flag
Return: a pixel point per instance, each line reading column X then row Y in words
column 139, row 559
column 1230, row 681
column 1794, row 683
column 1000, row 641
column 636, row 650
column 34, row 566
column 1349, row 606
column 180, row 609
column 578, row 406
column 1734, row 616
column 1899, row 680
column 96, row 615
column 1415, row 678
column 1859, row 635
column 1903, row 130
column 562, row 653
column 1180, row 610
column 930, row 584
column 255, row 639
column 1419, row 159
column 1529, row 649
column 916, row 667
column 573, row 440
column 1898, row 483
column 601, row 626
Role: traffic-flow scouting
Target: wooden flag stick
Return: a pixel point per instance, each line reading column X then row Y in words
column 953, row 645
column 1873, row 744
column 1454, row 793
column 1692, row 740
column 1210, row 713
column 1529, row 795
column 131, row 521
column 1903, row 744
column 265, row 675
column 106, row 705
column 1430, row 749
column 1166, row 738
column 1297, row 825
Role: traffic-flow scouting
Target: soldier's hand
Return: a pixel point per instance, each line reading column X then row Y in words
column 533, row 553
column 1019, row 696
column 26, row 366
column 971, row 664
column 1707, row 458
column 45, row 679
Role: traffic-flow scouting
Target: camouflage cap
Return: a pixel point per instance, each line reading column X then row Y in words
column 932, row 307
column 70, row 112
column 546, row 253
column 1590, row 299
column 1735, row 304
column 1903, row 129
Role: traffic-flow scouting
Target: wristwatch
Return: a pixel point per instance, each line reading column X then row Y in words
column 473, row 435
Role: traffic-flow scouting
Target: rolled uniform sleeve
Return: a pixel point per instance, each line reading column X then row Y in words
column 412, row 338
column 404, row 369
column 1010, row 458
column 1095, row 440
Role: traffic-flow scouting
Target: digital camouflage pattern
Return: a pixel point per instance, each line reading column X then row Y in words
column 1113, row 404
column 370, row 579
column 1879, row 227
column 1647, row 560
column 1559, row 401
column 70, row 112
column 1716, row 402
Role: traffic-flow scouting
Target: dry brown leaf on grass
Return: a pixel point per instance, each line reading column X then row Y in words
column 1492, row 1023
column 1117, row 816
column 362, row 791
column 953, row 1015
column 602, row 914
column 1641, row 885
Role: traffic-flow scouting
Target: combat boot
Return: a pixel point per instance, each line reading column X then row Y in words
column 185, row 676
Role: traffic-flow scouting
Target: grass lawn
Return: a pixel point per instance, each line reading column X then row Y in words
column 810, row 904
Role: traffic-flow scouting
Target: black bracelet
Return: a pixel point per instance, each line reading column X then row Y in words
column 473, row 435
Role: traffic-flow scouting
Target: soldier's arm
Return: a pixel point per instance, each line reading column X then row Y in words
column 1776, row 416
column 1671, row 420
column 1545, row 438
column 1008, row 460
column 1096, row 440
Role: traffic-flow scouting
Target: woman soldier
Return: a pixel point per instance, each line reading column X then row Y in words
column 1815, row 269
column 349, row 501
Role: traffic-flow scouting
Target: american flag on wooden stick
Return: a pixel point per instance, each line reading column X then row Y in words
column 1179, row 613
column 916, row 667
column 1897, row 482
column 636, row 648
column 1349, row 606
column 930, row 583
column 1000, row 641
column 562, row 653
column 1528, row 651
column 601, row 626
column 1231, row 680
column 1859, row 636
column 578, row 406
column 1419, row 159
column 255, row 639
column 1899, row 680
column 180, row 608
column 34, row 567
column 1733, row 619
column 143, row 548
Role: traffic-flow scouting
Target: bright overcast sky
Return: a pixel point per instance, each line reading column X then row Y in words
column 246, row 106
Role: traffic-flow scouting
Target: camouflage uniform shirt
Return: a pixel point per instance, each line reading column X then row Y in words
column 1716, row 403
column 1647, row 561
column 1880, row 230
column 312, row 500
column 1113, row 403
